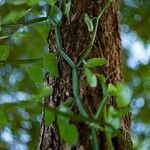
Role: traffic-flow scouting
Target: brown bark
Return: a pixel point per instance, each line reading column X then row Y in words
column 75, row 39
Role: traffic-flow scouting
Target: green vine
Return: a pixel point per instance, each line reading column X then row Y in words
column 106, row 119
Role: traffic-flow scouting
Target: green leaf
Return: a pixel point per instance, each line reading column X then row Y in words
column 0, row 28
column 124, row 111
column 49, row 117
column 4, row 52
column 113, row 119
column 101, row 78
column 65, row 107
column 123, row 95
column 20, row 35
column 35, row 73
column 44, row 91
column 33, row 2
column 88, row 22
column 91, row 78
column 112, row 90
column 51, row 2
column 42, row 29
column 62, row 119
column 69, row 102
column 11, row 17
column 95, row 62
column 67, row 8
column 55, row 14
column 3, row 119
column 50, row 63
column 68, row 133
column 144, row 115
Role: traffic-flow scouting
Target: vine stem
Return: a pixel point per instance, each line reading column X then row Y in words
column 21, row 61
column 58, row 39
column 75, row 80
column 76, row 92
column 76, row 87
column 89, row 47
column 100, row 110
column 95, row 140
column 32, row 21
column 106, row 132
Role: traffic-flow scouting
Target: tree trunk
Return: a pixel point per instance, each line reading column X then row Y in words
column 75, row 38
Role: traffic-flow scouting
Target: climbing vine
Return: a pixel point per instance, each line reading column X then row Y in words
column 106, row 119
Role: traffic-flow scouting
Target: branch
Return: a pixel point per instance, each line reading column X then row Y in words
column 32, row 21
column 21, row 61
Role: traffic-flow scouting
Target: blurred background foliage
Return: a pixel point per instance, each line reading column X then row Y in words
column 135, row 35
column 19, row 125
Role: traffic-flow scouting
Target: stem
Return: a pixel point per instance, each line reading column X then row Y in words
column 60, row 48
column 73, row 117
column 75, row 81
column 24, row 13
column 102, row 105
column 21, row 61
column 76, row 93
column 32, row 21
column 35, row 101
column 5, row 36
column 95, row 139
column 89, row 47
column 106, row 132
column 27, row 104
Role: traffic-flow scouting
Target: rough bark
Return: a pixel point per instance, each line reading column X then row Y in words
column 75, row 39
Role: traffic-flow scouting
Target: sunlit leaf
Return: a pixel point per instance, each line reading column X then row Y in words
column 101, row 78
column 44, row 91
column 91, row 78
column 3, row 119
column 43, row 30
column 4, row 52
column 50, row 63
column 51, row 2
column 35, row 72
column 49, row 117
column 12, row 16
column 68, row 133
column 65, row 108
column 95, row 62
column 17, row 2
column 123, row 95
column 67, row 8
column 88, row 22
column 33, row 2
column 112, row 89
column 113, row 120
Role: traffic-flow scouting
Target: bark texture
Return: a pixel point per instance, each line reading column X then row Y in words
column 75, row 38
